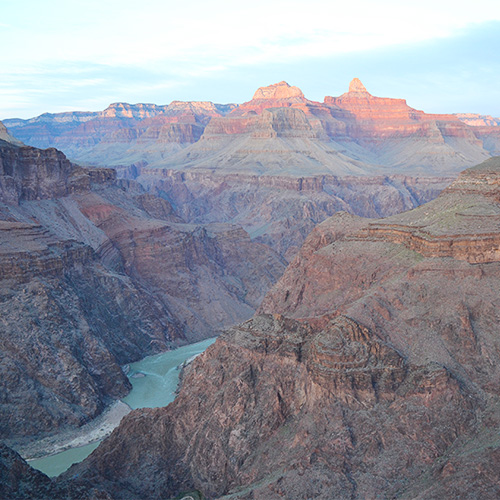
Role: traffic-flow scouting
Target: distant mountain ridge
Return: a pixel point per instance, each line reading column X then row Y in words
column 353, row 134
column 279, row 163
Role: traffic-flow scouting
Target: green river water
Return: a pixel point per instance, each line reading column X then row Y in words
column 154, row 381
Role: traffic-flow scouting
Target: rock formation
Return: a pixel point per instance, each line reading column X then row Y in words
column 282, row 211
column 122, row 133
column 356, row 128
column 486, row 128
column 279, row 134
column 95, row 273
column 357, row 86
column 476, row 120
column 18, row 481
column 371, row 370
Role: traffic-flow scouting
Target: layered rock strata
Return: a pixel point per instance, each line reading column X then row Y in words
column 279, row 134
column 356, row 133
column 122, row 131
column 281, row 211
column 95, row 273
column 371, row 371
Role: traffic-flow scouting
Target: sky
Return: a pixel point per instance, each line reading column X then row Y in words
column 442, row 56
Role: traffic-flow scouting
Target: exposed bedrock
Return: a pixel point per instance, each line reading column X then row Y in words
column 287, row 409
column 281, row 211
column 95, row 273
column 371, row 371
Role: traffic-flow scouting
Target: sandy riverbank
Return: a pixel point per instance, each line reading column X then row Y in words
column 96, row 430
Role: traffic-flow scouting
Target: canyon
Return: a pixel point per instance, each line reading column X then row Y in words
column 278, row 164
column 95, row 273
column 368, row 368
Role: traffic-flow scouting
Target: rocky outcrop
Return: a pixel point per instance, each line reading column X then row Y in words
column 6, row 137
column 282, row 210
column 28, row 174
column 18, row 481
column 328, row 403
column 394, row 134
column 371, row 371
column 273, row 96
column 95, row 273
column 357, row 86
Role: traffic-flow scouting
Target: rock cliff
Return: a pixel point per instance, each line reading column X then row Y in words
column 279, row 133
column 282, row 210
column 370, row 371
column 95, row 273
column 122, row 133
column 18, row 481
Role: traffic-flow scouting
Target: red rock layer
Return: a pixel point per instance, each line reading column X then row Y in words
column 377, row 117
column 278, row 95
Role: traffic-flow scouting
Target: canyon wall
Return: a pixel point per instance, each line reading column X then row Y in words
column 95, row 273
column 370, row 370
column 280, row 163
column 281, row 211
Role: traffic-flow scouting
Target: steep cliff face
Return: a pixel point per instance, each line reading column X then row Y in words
column 68, row 320
column 18, row 481
column 281, row 211
column 96, row 272
column 208, row 276
column 371, row 371
column 28, row 174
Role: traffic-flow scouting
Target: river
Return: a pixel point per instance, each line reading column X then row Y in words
column 154, row 381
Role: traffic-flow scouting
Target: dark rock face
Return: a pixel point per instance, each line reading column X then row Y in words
column 18, row 481
column 95, row 273
column 282, row 211
column 28, row 174
column 307, row 409
column 371, row 371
